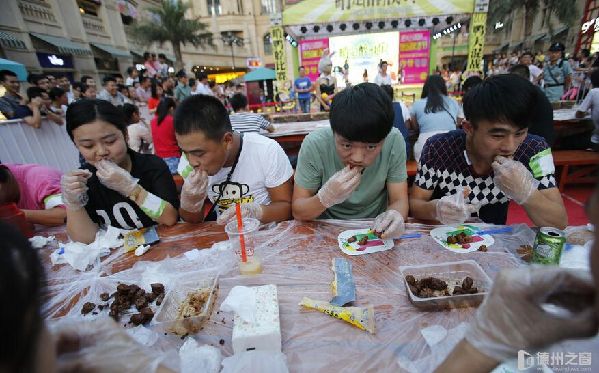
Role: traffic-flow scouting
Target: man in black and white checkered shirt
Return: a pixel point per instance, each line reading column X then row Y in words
column 477, row 170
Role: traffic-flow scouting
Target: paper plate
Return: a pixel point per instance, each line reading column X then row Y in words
column 440, row 235
column 374, row 244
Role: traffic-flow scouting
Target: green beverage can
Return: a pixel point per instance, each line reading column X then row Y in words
column 548, row 246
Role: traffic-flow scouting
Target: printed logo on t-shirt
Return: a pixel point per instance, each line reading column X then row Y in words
column 117, row 213
column 232, row 193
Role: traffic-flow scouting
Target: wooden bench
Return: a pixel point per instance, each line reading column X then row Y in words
column 586, row 163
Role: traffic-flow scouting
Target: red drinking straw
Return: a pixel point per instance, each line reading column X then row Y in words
column 244, row 258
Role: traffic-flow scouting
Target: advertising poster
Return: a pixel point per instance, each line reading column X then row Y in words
column 310, row 53
column 363, row 52
column 414, row 55
column 476, row 42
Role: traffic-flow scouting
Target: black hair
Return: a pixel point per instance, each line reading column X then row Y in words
column 161, row 55
column 191, row 82
column 154, row 90
column 10, row 191
column 350, row 120
column 35, row 78
column 238, row 101
column 471, row 82
column 146, row 56
column 85, row 78
column 388, row 90
column 33, row 92
column 181, row 74
column 84, row 87
column 202, row 113
column 520, row 70
column 55, row 92
column 143, row 79
column 86, row 111
column 5, row 73
column 527, row 53
column 21, row 284
column 165, row 104
column 506, row 98
column 211, row 83
column 595, row 78
column 108, row 79
column 433, row 90
column 585, row 52
column 128, row 111
column 118, row 75
column 130, row 70
column 77, row 85
column 201, row 76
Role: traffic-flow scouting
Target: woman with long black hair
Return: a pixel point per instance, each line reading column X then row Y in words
column 434, row 113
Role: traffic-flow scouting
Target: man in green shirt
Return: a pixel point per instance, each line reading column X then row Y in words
column 182, row 91
column 356, row 169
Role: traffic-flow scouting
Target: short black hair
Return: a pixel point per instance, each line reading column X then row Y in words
column 118, row 75
column 520, row 70
column 77, row 85
column 5, row 73
column 146, row 55
column 585, row 52
column 107, row 79
column 238, row 101
column 202, row 113
column 21, row 280
column 201, row 76
column 507, row 98
column 33, row 92
column 143, row 79
column 130, row 70
column 350, row 119
column 55, row 92
column 128, row 111
column 527, row 53
column 87, row 111
column 35, row 78
column 121, row 87
column 181, row 74
column 595, row 78
column 388, row 90
column 471, row 82
column 85, row 78
column 161, row 55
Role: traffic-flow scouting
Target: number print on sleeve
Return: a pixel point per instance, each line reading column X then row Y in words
column 117, row 212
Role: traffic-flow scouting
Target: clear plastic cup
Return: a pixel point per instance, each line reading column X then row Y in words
column 253, row 265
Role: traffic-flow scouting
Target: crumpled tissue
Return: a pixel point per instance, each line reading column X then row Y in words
column 141, row 250
column 576, row 256
column 143, row 335
column 256, row 361
column 242, row 301
column 83, row 257
column 40, row 241
column 199, row 359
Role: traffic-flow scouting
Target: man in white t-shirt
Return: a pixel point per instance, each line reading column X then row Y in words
column 382, row 77
column 527, row 59
column 229, row 167
column 591, row 102
column 202, row 86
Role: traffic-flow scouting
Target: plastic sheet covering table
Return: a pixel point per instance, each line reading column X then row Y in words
column 297, row 258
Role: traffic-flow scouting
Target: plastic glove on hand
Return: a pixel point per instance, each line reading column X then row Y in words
column 340, row 186
column 390, row 223
column 194, row 191
column 513, row 316
column 248, row 210
column 115, row 177
column 454, row 209
column 514, row 179
column 74, row 189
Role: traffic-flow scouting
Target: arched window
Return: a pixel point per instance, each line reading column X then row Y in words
column 267, row 43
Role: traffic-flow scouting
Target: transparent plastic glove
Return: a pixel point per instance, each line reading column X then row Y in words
column 193, row 192
column 514, row 179
column 453, row 209
column 102, row 346
column 515, row 316
column 340, row 186
column 248, row 210
column 115, row 177
column 74, row 189
column 390, row 223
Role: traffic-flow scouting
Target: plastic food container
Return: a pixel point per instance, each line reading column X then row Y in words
column 166, row 319
column 453, row 273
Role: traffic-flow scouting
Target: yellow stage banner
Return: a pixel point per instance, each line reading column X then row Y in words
column 476, row 42
column 321, row 11
column 278, row 49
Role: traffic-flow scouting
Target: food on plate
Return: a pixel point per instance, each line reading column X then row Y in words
column 352, row 239
column 429, row 287
column 193, row 305
column 87, row 308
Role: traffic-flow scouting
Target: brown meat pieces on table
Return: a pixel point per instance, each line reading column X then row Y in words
column 363, row 241
column 411, row 280
column 483, row 248
column 433, row 283
column 157, row 288
column 104, row 296
column 467, row 283
column 352, row 239
column 87, row 308
column 148, row 314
